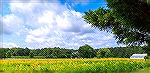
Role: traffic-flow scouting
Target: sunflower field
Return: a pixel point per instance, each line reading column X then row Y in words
column 103, row 65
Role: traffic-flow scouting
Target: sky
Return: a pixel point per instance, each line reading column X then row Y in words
column 50, row 23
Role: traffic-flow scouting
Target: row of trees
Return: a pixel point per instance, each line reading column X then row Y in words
column 85, row 51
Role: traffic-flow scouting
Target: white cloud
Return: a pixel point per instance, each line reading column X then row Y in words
column 47, row 17
column 31, row 39
column 42, row 31
column 22, row 7
column 50, row 25
column 8, row 45
column 108, row 37
column 11, row 23
column 38, row 35
column 63, row 23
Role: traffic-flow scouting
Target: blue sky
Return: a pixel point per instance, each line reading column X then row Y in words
column 52, row 23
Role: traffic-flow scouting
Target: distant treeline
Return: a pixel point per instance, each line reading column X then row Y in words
column 85, row 51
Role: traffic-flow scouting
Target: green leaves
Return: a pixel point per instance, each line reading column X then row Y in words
column 128, row 20
column 86, row 51
column 104, row 53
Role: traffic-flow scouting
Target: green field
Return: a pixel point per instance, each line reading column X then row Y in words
column 145, row 70
column 104, row 65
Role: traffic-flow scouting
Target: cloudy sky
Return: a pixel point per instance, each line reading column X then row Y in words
column 50, row 23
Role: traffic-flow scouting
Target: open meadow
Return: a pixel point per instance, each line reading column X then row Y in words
column 103, row 65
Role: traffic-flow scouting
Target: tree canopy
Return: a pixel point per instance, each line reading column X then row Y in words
column 104, row 53
column 86, row 51
column 128, row 20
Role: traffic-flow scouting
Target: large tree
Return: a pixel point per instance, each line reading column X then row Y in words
column 128, row 20
column 104, row 53
column 86, row 51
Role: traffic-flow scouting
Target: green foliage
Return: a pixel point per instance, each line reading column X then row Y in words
column 8, row 54
column 21, row 52
column 3, row 52
column 20, row 57
column 86, row 51
column 31, row 55
column 126, row 52
column 128, row 20
column 104, row 53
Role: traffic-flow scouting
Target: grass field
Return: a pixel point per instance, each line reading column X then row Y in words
column 105, row 65
column 145, row 70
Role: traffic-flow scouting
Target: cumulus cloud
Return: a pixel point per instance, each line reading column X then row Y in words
column 50, row 25
column 8, row 45
column 11, row 23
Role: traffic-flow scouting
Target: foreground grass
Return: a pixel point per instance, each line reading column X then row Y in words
column 105, row 65
column 145, row 70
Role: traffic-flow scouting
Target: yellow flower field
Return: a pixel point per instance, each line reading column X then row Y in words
column 104, row 65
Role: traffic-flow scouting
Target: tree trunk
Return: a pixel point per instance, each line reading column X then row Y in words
column 148, row 49
column 148, row 52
